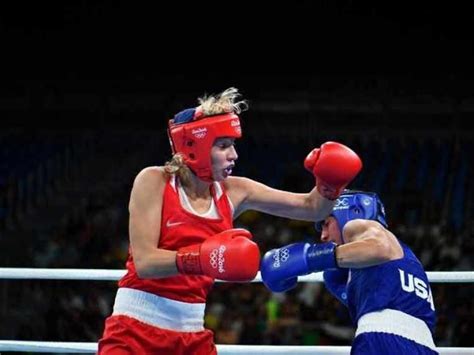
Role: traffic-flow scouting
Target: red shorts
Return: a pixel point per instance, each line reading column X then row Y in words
column 125, row 335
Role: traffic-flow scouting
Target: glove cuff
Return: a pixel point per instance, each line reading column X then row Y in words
column 322, row 257
column 188, row 261
column 328, row 191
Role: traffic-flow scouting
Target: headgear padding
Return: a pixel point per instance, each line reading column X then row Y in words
column 357, row 205
column 192, row 135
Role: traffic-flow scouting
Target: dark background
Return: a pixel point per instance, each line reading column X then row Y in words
column 86, row 89
column 91, row 40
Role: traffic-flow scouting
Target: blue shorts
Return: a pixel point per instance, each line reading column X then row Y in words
column 388, row 344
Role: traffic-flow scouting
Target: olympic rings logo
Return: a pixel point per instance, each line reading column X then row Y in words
column 280, row 256
column 199, row 132
column 213, row 258
column 216, row 258
column 285, row 254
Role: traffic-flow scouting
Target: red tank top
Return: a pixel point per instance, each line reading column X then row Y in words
column 180, row 228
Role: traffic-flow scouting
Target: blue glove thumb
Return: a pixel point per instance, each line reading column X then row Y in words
column 283, row 285
column 281, row 267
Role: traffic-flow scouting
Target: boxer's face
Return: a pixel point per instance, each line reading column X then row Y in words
column 223, row 157
column 331, row 232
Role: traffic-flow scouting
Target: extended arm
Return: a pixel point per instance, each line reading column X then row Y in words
column 333, row 165
column 368, row 244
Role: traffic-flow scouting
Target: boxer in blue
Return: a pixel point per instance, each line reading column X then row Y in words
column 369, row 270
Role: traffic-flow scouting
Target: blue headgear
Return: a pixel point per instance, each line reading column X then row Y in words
column 357, row 205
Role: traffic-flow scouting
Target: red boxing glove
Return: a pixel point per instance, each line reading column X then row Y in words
column 230, row 255
column 334, row 165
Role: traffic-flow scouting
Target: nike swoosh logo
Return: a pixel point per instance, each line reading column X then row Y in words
column 173, row 224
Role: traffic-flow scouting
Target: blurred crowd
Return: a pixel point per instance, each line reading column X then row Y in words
column 91, row 232
column 64, row 196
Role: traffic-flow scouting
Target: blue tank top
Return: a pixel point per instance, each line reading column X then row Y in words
column 399, row 284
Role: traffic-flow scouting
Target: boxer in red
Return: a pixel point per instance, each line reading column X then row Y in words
column 181, row 229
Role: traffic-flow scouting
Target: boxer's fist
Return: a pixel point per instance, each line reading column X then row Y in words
column 281, row 267
column 230, row 255
column 334, row 166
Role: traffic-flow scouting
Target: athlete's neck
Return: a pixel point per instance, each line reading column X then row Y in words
column 196, row 188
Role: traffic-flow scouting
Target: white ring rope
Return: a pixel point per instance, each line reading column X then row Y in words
column 70, row 347
column 114, row 275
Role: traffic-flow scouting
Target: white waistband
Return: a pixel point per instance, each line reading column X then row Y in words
column 159, row 311
column 398, row 323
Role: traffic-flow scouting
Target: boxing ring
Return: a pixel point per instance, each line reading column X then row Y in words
column 114, row 275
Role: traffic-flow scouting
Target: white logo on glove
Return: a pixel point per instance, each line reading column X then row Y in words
column 280, row 256
column 217, row 260
column 285, row 254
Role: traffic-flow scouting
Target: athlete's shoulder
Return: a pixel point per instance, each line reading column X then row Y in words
column 149, row 183
column 151, row 173
column 151, row 176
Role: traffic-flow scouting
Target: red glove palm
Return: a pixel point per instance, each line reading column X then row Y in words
column 334, row 166
column 230, row 255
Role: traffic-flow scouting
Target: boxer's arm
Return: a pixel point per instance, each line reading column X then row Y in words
column 333, row 165
column 368, row 243
column 248, row 194
column 145, row 207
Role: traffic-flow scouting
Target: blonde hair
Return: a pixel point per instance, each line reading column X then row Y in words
column 223, row 103
column 177, row 166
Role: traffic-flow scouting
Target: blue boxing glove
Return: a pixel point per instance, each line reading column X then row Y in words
column 336, row 283
column 281, row 267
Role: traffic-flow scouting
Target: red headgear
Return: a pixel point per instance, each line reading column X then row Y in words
column 192, row 134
